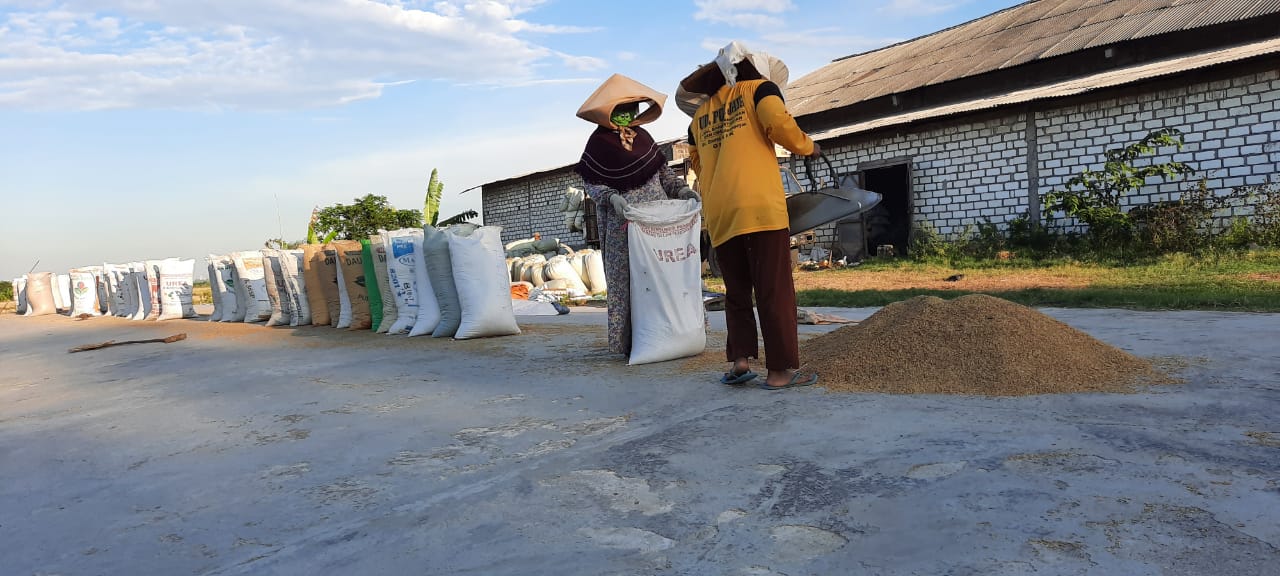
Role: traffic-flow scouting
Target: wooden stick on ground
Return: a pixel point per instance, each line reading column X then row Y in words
column 169, row 340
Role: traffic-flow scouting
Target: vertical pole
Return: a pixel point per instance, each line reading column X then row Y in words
column 1033, row 168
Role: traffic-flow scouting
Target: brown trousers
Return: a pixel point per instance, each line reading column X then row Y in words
column 760, row 262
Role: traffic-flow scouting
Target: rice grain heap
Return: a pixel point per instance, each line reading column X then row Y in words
column 972, row 345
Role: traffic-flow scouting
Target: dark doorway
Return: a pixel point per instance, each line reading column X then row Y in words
column 890, row 221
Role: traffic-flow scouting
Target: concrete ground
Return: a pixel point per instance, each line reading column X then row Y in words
column 253, row 450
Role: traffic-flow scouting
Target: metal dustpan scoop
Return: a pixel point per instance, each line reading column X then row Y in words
column 836, row 200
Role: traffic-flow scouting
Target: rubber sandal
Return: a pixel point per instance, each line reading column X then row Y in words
column 794, row 383
column 731, row 379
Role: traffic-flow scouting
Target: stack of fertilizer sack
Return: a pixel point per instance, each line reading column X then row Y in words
column 145, row 290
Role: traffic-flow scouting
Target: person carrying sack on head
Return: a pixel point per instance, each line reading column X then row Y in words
column 620, row 165
column 738, row 115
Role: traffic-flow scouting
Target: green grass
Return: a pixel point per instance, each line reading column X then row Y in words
column 1241, row 281
column 1165, row 298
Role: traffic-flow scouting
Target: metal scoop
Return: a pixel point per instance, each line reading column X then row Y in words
column 827, row 202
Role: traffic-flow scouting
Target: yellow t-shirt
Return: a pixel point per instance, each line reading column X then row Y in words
column 732, row 137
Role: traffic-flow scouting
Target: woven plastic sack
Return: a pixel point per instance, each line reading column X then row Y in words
column 39, row 289
column 215, row 289
column 277, row 296
column 389, row 312
column 435, row 247
column 312, row 261
column 20, row 296
column 295, row 283
column 352, row 268
column 666, row 280
column 176, row 282
column 84, row 293
column 232, row 307
column 334, row 290
column 428, row 316
column 478, row 263
column 594, row 265
column 371, row 284
column 402, row 275
column 251, row 286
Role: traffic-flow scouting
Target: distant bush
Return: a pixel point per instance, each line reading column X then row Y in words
column 6, row 291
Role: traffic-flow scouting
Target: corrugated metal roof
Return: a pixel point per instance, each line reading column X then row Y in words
column 1021, row 34
column 1111, row 78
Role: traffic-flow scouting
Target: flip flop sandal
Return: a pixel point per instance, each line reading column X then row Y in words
column 731, row 379
column 794, row 383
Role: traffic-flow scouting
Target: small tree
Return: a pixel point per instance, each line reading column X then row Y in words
column 431, row 206
column 1094, row 197
column 364, row 218
column 6, row 291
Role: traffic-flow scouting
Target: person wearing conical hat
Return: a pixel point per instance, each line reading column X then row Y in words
column 621, row 164
column 739, row 114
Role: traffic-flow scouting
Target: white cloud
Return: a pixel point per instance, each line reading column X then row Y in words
column 918, row 7
column 756, row 14
column 262, row 54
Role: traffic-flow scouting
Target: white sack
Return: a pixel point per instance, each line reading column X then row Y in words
column 478, row 264
column 84, row 293
column 177, row 278
column 559, row 268
column 296, row 285
column 429, row 313
column 435, row 249
column 251, row 286
column 401, row 273
column 378, row 247
column 666, row 280
column 232, row 307
column 152, row 288
column 344, row 299
column 277, row 295
column 58, row 285
column 594, row 265
column 20, row 296
column 104, row 297
column 139, row 294
column 215, row 291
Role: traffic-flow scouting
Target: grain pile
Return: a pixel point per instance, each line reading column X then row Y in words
column 975, row 344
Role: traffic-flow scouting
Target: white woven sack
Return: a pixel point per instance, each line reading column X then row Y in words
column 176, row 282
column 429, row 312
column 559, row 268
column 215, row 289
column 84, row 293
column 402, row 275
column 232, row 307
column 594, row 264
column 20, row 296
column 666, row 280
column 478, row 264
column 251, row 286
column 296, row 286
column 435, row 248
column 277, row 294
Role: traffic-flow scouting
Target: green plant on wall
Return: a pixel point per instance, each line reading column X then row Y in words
column 1094, row 197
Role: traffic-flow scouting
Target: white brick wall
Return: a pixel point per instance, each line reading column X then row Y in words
column 961, row 173
column 525, row 207
column 972, row 170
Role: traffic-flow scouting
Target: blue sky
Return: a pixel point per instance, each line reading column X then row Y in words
column 142, row 129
